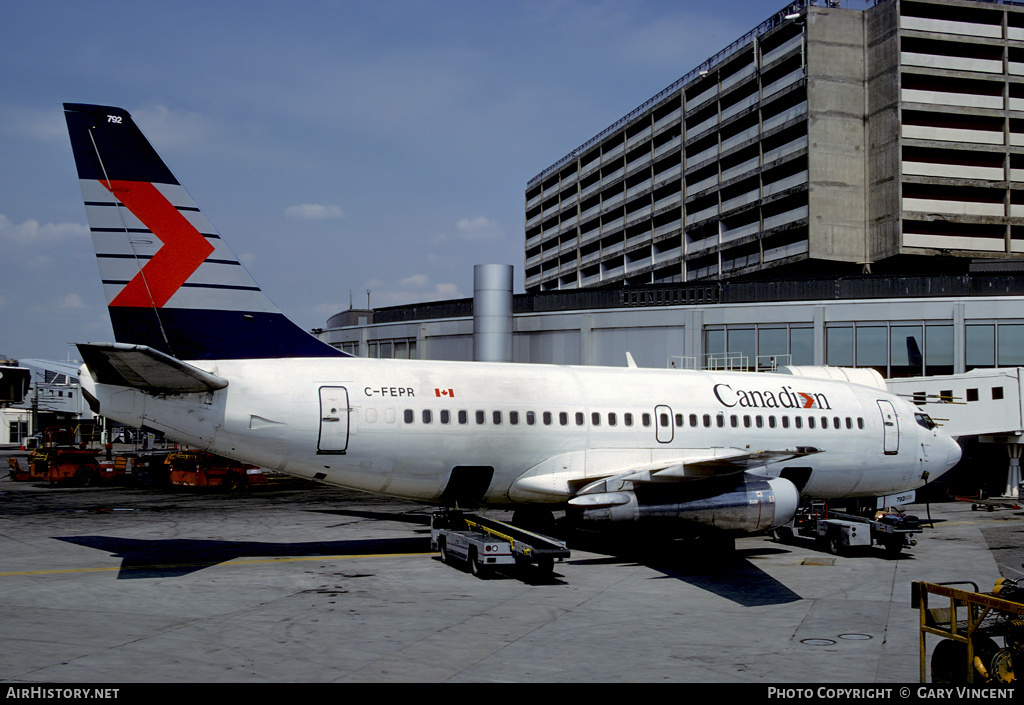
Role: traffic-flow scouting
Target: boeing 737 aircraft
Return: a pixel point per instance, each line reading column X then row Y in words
column 202, row 355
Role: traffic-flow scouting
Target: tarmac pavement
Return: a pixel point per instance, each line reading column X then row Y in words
column 298, row 584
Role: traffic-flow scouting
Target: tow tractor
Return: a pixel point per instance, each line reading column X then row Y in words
column 838, row 532
column 58, row 459
column 198, row 468
column 485, row 544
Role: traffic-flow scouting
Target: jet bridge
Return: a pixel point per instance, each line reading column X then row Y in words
column 985, row 403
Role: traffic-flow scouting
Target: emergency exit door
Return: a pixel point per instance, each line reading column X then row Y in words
column 333, row 421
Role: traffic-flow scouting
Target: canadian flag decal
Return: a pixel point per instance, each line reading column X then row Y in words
column 444, row 393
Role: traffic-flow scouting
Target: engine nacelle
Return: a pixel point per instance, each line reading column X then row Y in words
column 753, row 504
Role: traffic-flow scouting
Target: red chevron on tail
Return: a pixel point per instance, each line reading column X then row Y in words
column 184, row 248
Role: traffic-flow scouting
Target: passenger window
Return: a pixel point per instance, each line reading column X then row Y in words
column 627, row 419
column 481, row 418
column 693, row 420
column 663, row 420
column 595, row 418
column 496, row 417
column 707, row 420
column 771, row 422
column 837, row 422
column 463, row 417
column 611, row 419
column 849, row 422
column 547, row 418
column 734, row 421
column 513, row 417
column 679, row 420
column 720, row 420
column 810, row 422
column 426, row 416
column 646, row 420
column 409, row 416
column 446, row 416
column 785, row 422
column 759, row 421
column 824, row 422
column 563, row 418
column 580, row 419
column 798, row 422
column 531, row 418
column 860, row 423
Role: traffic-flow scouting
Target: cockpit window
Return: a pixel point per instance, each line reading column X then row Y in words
column 924, row 420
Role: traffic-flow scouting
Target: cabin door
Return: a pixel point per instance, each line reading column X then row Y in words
column 333, row 421
column 890, row 428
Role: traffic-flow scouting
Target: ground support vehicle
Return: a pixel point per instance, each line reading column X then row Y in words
column 78, row 466
column 17, row 473
column 990, row 504
column 971, row 624
column 838, row 532
column 198, row 468
column 485, row 544
column 58, row 459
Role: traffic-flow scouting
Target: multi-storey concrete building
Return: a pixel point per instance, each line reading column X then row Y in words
column 888, row 137
column 834, row 188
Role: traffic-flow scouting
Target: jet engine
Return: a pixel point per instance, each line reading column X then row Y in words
column 751, row 504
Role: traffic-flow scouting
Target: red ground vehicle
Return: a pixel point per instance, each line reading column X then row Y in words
column 59, row 459
column 198, row 468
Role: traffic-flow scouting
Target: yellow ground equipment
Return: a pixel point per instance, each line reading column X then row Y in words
column 971, row 624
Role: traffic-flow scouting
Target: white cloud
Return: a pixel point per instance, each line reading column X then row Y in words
column 412, row 289
column 73, row 301
column 166, row 128
column 45, row 125
column 314, row 211
column 32, row 232
column 479, row 228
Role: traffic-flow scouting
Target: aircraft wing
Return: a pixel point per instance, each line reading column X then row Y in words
column 142, row 367
column 724, row 461
column 601, row 471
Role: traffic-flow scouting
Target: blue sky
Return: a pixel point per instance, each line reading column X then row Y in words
column 336, row 146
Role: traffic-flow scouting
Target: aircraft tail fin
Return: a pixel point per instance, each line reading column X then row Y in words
column 172, row 283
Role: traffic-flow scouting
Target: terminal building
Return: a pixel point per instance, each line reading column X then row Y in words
column 826, row 139
column 37, row 394
column 843, row 185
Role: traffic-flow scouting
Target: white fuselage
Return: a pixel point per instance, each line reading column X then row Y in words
column 399, row 427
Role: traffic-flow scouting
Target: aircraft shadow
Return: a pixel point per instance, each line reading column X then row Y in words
column 419, row 518
column 731, row 575
column 168, row 558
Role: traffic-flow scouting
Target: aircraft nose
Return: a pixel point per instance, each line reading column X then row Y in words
column 953, row 452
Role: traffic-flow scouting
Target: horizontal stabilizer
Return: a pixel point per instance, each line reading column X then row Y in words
column 144, row 368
